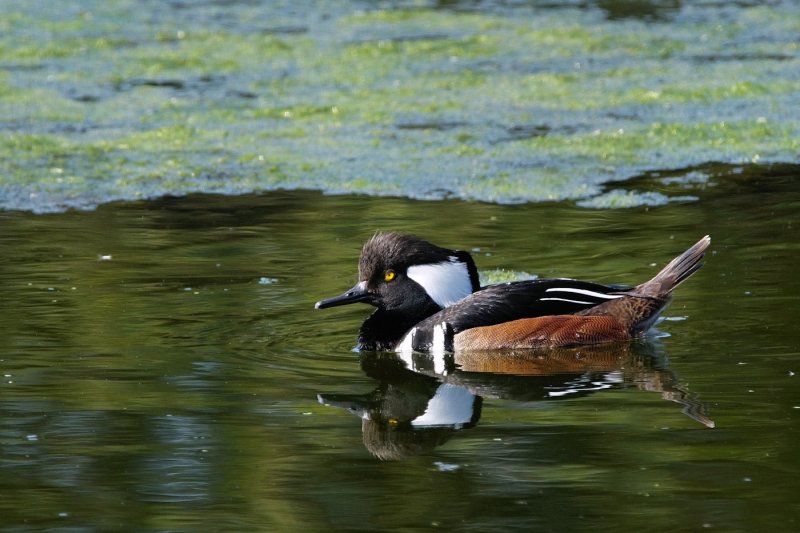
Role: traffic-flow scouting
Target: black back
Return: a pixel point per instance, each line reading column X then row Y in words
column 495, row 304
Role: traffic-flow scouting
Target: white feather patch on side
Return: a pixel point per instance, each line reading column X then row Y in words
column 437, row 350
column 406, row 346
column 446, row 282
column 439, row 332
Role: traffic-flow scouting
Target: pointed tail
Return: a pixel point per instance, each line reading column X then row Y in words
column 639, row 308
column 676, row 272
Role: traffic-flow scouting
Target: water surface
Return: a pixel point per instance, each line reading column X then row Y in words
column 162, row 367
column 161, row 363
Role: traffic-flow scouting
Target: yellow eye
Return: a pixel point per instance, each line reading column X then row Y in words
column 389, row 275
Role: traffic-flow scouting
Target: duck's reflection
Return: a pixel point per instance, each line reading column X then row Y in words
column 422, row 399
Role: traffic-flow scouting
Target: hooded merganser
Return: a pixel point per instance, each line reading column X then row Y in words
column 429, row 299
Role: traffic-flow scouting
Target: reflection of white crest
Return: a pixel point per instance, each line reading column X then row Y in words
column 451, row 406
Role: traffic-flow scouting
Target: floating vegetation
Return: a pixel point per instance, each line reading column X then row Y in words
column 519, row 104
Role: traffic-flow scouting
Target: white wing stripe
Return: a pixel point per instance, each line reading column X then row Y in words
column 566, row 300
column 585, row 292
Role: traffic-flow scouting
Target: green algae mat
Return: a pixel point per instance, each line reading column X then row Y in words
column 106, row 100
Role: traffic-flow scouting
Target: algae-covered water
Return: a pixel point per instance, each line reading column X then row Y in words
column 162, row 367
column 495, row 101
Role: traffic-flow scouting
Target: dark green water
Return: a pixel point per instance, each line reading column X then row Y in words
column 161, row 364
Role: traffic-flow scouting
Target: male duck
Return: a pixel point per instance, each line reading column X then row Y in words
column 429, row 299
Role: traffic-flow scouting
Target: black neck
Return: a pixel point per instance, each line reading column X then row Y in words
column 383, row 330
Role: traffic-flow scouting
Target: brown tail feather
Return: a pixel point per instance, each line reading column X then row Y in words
column 639, row 309
column 676, row 272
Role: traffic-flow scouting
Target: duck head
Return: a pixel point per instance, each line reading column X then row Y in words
column 408, row 278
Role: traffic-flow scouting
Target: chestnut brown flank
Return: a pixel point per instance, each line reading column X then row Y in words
column 543, row 332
